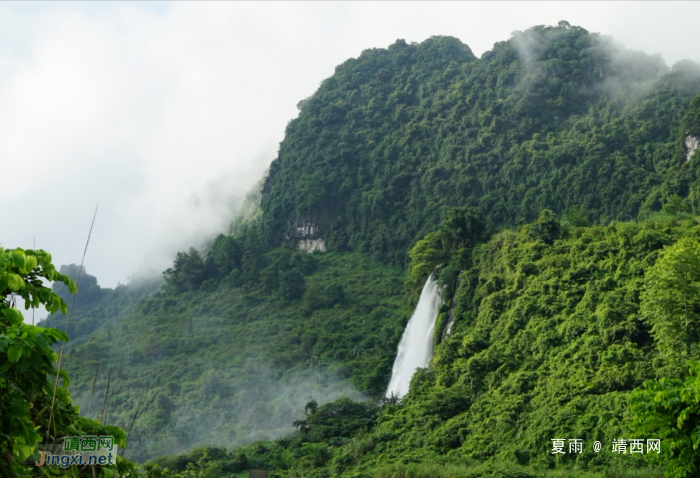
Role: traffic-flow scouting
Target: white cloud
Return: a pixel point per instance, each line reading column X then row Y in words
column 141, row 107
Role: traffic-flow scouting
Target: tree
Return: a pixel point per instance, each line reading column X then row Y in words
column 671, row 299
column 292, row 284
column 240, row 462
column 426, row 255
column 187, row 272
column 27, row 374
column 251, row 260
column 669, row 410
column 460, row 230
column 26, row 357
column 462, row 227
column 546, row 228
column 577, row 217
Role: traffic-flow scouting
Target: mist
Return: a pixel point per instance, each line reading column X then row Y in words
column 167, row 114
column 206, row 213
column 608, row 66
column 263, row 407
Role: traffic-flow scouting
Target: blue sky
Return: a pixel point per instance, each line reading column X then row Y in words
column 166, row 114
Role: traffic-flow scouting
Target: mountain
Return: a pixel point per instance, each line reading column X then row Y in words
column 554, row 118
column 408, row 160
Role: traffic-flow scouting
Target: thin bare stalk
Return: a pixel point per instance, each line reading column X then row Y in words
column 128, row 434
column 33, row 306
column 70, row 312
column 104, row 405
column 93, row 388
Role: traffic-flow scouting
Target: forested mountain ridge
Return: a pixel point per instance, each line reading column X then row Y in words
column 392, row 153
column 554, row 117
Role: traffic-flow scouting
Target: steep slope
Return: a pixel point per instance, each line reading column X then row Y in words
column 548, row 340
column 230, row 363
column 232, row 345
column 555, row 117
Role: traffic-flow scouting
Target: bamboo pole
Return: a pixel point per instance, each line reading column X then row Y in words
column 93, row 388
column 104, row 405
column 131, row 426
column 70, row 312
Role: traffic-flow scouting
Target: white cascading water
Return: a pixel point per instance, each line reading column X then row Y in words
column 416, row 346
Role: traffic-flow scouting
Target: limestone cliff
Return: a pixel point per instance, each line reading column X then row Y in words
column 308, row 235
column 691, row 143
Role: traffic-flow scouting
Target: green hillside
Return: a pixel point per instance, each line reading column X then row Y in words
column 553, row 118
column 408, row 160
column 227, row 364
column 550, row 336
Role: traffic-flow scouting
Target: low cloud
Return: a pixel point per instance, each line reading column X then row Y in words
column 142, row 107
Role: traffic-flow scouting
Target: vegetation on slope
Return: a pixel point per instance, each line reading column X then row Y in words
column 34, row 408
column 233, row 359
column 547, row 336
column 554, row 327
column 555, row 117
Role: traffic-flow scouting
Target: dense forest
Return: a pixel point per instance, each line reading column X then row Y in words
column 552, row 188
column 553, row 118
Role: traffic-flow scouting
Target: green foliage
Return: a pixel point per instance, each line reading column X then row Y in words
column 320, row 296
column 292, row 284
column 576, row 217
column 26, row 358
column 671, row 299
column 187, row 272
column 691, row 120
column 426, row 255
column 97, row 310
column 27, row 374
column 552, row 328
column 234, row 362
column 554, row 118
column 216, row 462
column 669, row 409
column 462, row 227
column 548, row 340
column 546, row 228
column 240, row 462
column 451, row 470
column 460, row 230
column 338, row 419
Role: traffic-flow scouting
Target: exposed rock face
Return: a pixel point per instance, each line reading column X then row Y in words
column 306, row 229
column 311, row 245
column 691, row 143
column 308, row 236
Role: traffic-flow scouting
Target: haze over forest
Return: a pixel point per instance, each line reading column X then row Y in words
column 166, row 113
column 425, row 257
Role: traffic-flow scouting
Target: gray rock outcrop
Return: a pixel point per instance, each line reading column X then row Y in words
column 691, row 143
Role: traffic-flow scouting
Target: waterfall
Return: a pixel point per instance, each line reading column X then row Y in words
column 416, row 346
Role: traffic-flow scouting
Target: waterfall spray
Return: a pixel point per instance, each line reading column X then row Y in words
column 416, row 346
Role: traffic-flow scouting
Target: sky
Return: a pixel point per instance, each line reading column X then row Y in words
column 167, row 113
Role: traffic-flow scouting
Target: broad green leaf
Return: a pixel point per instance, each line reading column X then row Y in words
column 13, row 315
column 19, row 259
column 31, row 263
column 15, row 282
column 55, row 333
column 14, row 353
